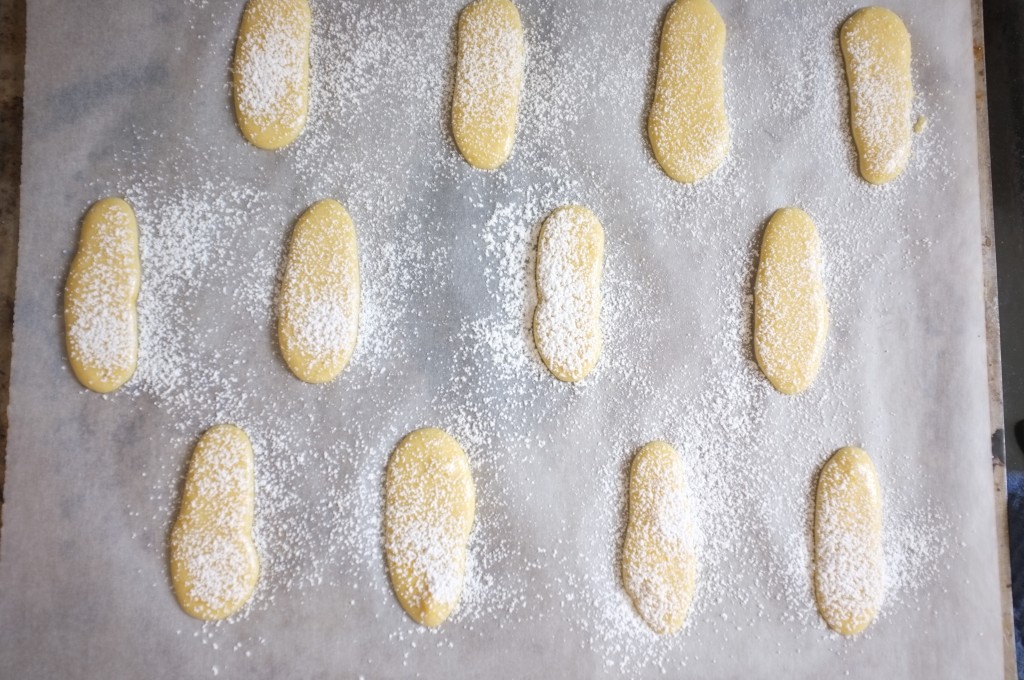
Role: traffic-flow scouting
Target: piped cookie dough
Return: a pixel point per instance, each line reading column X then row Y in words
column 790, row 310
column 659, row 562
column 214, row 565
column 876, row 49
column 100, row 297
column 318, row 306
column 429, row 507
column 849, row 563
column 271, row 71
column 488, row 81
column 687, row 124
column 567, row 319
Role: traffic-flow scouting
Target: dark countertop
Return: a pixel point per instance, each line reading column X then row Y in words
column 1004, row 56
column 12, row 78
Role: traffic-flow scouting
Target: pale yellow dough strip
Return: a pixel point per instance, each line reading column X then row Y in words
column 100, row 297
column 271, row 71
column 214, row 565
column 318, row 308
column 488, row 81
column 876, row 48
column 687, row 124
column 849, row 563
column 790, row 310
column 567, row 319
column 659, row 561
column 429, row 507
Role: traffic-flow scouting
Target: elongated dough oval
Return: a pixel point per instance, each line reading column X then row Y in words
column 271, row 71
column 876, row 49
column 488, row 82
column 790, row 309
column 849, row 563
column 318, row 308
column 659, row 561
column 214, row 565
column 687, row 125
column 100, row 298
column 567, row 319
column 429, row 506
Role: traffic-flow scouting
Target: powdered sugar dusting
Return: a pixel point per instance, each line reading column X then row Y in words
column 101, row 294
column 849, row 566
column 570, row 258
column 790, row 310
column 877, row 53
column 212, row 552
column 688, row 125
column 659, row 563
column 322, row 324
column 319, row 300
column 426, row 522
column 271, row 62
column 488, row 79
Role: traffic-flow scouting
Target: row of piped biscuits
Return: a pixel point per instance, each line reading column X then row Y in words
column 660, row 556
column 687, row 125
column 429, row 510
column 318, row 300
column 429, row 507
column 319, row 297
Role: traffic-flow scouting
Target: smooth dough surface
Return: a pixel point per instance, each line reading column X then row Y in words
column 271, row 71
column 100, row 298
column 214, row 565
column 567, row 320
column 488, row 81
column 790, row 310
column 687, row 124
column 849, row 563
column 318, row 309
column 876, row 49
column 429, row 507
column 659, row 562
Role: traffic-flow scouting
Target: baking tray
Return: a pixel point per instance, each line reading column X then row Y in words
column 130, row 100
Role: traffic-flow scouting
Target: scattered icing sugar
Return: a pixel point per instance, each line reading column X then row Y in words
column 688, row 124
column 791, row 314
column 849, row 566
column 488, row 75
column 103, row 334
column 209, row 539
column 272, row 61
column 425, row 534
column 659, row 546
column 880, row 97
column 105, row 280
column 321, row 323
column 217, row 563
column 569, row 263
column 319, row 300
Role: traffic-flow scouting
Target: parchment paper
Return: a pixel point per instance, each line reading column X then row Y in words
column 132, row 99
